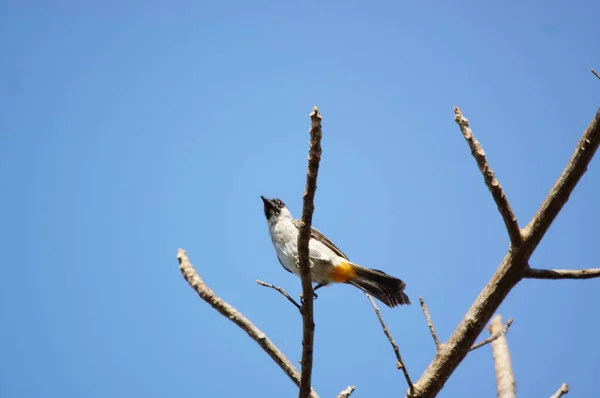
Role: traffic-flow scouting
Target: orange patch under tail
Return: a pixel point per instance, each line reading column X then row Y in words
column 343, row 272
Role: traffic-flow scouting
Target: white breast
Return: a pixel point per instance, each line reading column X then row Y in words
column 284, row 235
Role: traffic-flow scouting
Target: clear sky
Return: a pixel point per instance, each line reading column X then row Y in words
column 130, row 129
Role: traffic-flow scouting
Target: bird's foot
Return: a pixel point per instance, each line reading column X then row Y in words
column 315, row 296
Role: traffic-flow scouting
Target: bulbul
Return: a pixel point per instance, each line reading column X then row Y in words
column 328, row 263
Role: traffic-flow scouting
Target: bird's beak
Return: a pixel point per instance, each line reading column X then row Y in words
column 266, row 201
column 268, row 207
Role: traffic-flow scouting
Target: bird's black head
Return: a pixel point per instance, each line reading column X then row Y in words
column 273, row 207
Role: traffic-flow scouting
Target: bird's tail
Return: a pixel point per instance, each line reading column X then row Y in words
column 386, row 288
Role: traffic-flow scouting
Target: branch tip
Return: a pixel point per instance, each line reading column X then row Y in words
column 510, row 271
column 429, row 323
column 282, row 292
column 564, row 185
column 315, row 114
column 491, row 181
column 494, row 336
column 346, row 392
column 562, row 390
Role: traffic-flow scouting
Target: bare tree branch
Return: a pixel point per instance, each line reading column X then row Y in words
column 308, row 207
column 505, row 378
column 429, row 323
column 510, row 271
column 225, row 309
column 494, row 336
column 598, row 76
column 399, row 363
column 510, row 220
column 562, row 390
column 560, row 192
column 347, row 392
column 589, row 273
column 283, row 293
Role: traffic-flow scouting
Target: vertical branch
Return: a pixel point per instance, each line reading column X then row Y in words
column 505, row 378
column 308, row 323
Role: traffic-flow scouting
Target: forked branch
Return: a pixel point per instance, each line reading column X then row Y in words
column 207, row 294
column 514, row 266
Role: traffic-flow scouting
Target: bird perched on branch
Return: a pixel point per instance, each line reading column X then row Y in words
column 328, row 263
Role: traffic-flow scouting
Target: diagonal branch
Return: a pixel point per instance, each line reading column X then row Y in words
column 346, row 392
column 562, row 390
column 399, row 363
column 560, row 192
column 596, row 74
column 510, row 220
column 498, row 333
column 283, row 293
column 430, row 323
column 308, row 207
column 562, row 273
column 510, row 271
column 505, row 377
column 225, row 309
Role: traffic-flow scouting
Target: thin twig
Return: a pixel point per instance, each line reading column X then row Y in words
column 225, row 309
column 509, row 272
column 308, row 207
column 429, row 323
column 505, row 377
column 283, row 292
column 596, row 74
column 589, row 273
column 494, row 336
column 399, row 363
column 510, row 220
column 562, row 390
column 346, row 392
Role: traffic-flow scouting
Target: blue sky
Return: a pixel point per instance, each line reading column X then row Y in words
column 131, row 129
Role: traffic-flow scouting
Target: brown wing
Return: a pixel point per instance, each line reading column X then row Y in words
column 316, row 234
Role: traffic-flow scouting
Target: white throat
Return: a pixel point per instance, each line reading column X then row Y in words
column 284, row 215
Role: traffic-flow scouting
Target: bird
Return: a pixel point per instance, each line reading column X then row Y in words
column 328, row 263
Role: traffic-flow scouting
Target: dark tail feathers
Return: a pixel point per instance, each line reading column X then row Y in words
column 384, row 287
